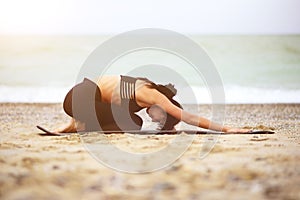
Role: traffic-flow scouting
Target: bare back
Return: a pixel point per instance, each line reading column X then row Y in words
column 110, row 90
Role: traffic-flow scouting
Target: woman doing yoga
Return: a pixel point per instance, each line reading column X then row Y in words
column 110, row 104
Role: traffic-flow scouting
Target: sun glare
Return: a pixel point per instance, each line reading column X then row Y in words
column 97, row 16
column 19, row 17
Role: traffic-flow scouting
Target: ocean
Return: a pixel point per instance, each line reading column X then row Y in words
column 253, row 69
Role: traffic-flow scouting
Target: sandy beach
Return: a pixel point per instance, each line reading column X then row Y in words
column 238, row 167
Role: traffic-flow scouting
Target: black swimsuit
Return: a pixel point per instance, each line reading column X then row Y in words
column 127, row 94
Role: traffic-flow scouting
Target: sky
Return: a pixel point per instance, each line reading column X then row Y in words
column 116, row 16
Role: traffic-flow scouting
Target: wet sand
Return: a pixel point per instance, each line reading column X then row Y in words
column 238, row 167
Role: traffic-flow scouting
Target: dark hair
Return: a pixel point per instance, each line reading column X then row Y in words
column 169, row 91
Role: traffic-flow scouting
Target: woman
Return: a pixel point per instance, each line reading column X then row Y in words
column 110, row 104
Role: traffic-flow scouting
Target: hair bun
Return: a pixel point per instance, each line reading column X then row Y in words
column 168, row 90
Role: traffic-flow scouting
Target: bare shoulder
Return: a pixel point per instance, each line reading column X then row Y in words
column 147, row 96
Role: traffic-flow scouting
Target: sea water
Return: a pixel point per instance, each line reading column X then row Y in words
column 253, row 69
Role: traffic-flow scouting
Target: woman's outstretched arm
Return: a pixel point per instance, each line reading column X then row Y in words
column 207, row 124
column 190, row 118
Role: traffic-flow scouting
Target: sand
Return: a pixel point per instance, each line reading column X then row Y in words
column 238, row 167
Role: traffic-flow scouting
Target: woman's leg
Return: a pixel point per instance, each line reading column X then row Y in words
column 116, row 118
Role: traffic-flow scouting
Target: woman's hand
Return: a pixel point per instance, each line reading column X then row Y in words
column 238, row 130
